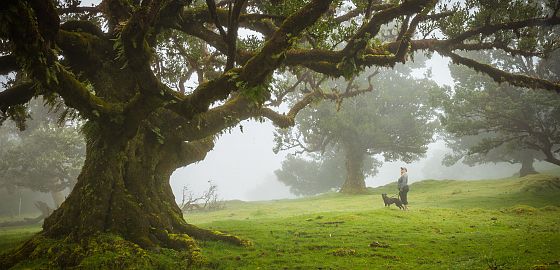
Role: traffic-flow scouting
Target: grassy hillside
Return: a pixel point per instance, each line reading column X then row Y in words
column 511, row 223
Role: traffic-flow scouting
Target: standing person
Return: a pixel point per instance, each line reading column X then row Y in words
column 403, row 187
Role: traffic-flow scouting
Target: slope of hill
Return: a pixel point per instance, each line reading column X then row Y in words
column 511, row 223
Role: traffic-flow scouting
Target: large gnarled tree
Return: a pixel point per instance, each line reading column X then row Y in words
column 143, row 122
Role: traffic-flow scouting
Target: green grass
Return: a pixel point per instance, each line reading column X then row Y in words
column 511, row 223
column 12, row 236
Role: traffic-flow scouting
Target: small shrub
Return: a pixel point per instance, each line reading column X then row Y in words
column 208, row 201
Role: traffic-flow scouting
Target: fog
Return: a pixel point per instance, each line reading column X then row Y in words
column 242, row 164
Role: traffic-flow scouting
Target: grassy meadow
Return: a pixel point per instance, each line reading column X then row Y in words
column 511, row 223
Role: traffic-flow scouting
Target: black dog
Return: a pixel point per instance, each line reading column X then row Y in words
column 389, row 200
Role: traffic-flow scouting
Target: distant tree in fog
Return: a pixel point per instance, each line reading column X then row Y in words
column 473, row 150
column 491, row 122
column 46, row 157
column 394, row 121
column 319, row 173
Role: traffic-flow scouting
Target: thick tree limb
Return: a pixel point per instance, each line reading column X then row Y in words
column 503, row 47
column 327, row 62
column 8, row 64
column 257, row 68
column 371, row 29
column 240, row 108
column 288, row 120
column 191, row 152
column 76, row 9
column 231, row 39
column 493, row 28
column 212, row 9
column 34, row 54
column 77, row 96
column 356, row 12
column 17, row 95
column 501, row 76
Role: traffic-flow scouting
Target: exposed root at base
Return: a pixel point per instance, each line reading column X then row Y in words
column 204, row 234
column 103, row 251
column 110, row 251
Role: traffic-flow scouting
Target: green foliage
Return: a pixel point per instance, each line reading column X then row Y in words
column 257, row 94
column 475, row 13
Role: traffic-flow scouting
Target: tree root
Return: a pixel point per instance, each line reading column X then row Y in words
column 131, row 248
column 102, row 251
column 109, row 251
column 203, row 234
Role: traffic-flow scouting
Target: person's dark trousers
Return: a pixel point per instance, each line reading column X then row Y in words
column 403, row 194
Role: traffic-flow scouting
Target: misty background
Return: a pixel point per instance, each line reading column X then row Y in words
column 242, row 163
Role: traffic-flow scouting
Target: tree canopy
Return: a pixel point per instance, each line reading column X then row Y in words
column 122, row 66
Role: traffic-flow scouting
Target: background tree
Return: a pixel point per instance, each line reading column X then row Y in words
column 470, row 151
column 110, row 63
column 393, row 121
column 318, row 173
column 489, row 122
column 46, row 157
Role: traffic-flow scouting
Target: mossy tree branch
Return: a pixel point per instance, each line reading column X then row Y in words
column 360, row 40
column 493, row 28
column 8, row 64
column 32, row 43
column 17, row 95
column 257, row 68
column 288, row 119
column 501, row 76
